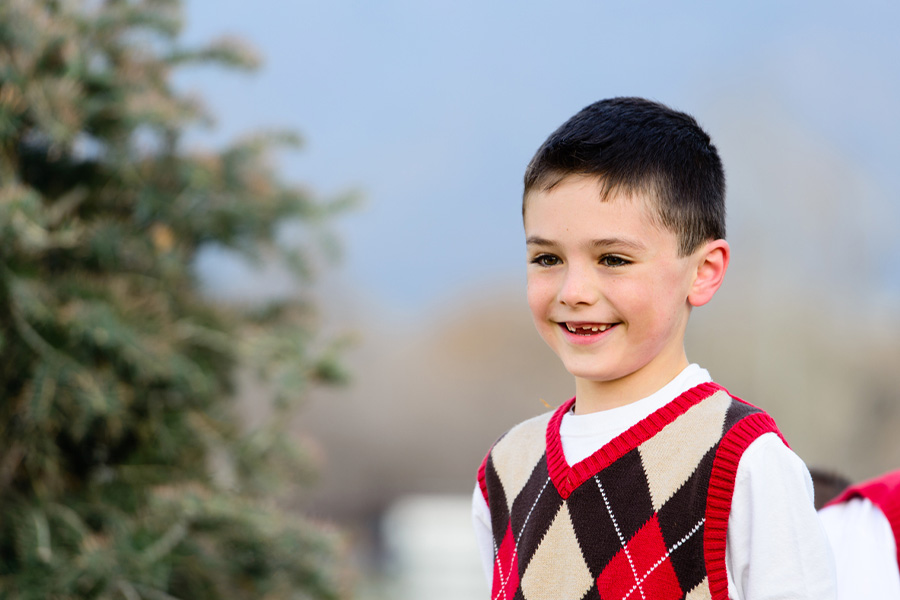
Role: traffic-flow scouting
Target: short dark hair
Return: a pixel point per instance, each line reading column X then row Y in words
column 637, row 145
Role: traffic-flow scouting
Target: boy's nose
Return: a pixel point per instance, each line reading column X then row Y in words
column 578, row 288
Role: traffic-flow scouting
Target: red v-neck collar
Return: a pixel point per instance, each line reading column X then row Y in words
column 567, row 478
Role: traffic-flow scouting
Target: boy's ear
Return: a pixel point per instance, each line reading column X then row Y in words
column 712, row 262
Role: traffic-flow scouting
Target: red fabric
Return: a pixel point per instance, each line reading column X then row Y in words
column 481, row 482
column 506, row 568
column 642, row 566
column 567, row 478
column 721, row 491
column 883, row 492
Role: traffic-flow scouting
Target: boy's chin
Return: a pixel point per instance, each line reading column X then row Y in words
column 596, row 377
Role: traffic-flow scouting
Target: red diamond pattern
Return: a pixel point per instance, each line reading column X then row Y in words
column 641, row 570
column 506, row 568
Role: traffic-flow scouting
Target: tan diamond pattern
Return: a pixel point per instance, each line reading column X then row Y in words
column 701, row 592
column 557, row 570
column 671, row 456
column 515, row 461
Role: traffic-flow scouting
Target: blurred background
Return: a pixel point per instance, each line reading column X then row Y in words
column 428, row 112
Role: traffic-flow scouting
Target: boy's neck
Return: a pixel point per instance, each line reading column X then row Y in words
column 595, row 396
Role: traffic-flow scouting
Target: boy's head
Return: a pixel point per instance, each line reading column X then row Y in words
column 633, row 145
column 624, row 225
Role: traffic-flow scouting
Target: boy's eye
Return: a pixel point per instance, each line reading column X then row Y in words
column 545, row 260
column 610, row 260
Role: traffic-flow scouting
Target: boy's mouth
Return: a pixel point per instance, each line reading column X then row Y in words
column 587, row 328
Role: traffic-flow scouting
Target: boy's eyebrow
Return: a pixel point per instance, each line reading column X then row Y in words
column 538, row 241
column 618, row 242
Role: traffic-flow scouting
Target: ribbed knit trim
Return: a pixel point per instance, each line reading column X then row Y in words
column 883, row 492
column 721, row 491
column 567, row 478
column 481, row 481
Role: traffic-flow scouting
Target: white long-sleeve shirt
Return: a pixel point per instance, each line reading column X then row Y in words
column 865, row 552
column 776, row 548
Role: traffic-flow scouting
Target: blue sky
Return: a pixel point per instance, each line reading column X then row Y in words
column 432, row 109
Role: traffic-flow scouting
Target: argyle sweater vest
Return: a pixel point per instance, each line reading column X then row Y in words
column 883, row 492
column 643, row 518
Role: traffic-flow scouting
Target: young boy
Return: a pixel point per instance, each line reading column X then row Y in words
column 653, row 483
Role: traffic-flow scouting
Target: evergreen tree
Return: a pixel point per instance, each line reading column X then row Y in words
column 123, row 471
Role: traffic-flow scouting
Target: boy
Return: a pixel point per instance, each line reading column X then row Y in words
column 653, row 483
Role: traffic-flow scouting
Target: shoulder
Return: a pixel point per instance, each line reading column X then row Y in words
column 526, row 429
column 884, row 493
column 529, row 434
column 880, row 490
column 746, row 423
column 777, row 546
column 768, row 459
column 752, row 445
column 853, row 517
column 519, row 449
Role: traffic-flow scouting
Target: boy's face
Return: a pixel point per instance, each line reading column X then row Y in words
column 607, row 288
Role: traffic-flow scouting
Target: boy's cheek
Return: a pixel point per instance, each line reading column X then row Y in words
column 539, row 299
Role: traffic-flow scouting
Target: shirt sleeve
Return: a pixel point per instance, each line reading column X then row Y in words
column 776, row 547
column 484, row 537
column 865, row 553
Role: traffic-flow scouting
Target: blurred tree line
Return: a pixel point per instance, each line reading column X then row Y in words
column 124, row 472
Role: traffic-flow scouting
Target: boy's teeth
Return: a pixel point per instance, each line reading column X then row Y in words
column 587, row 328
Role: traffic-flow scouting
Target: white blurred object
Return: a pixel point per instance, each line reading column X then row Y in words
column 865, row 552
column 433, row 550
